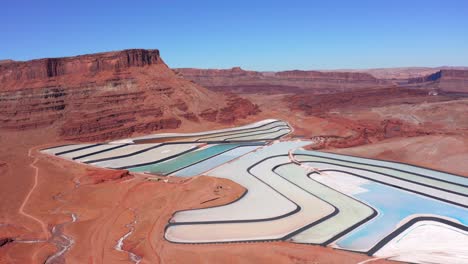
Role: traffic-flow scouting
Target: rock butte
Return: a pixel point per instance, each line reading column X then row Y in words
column 107, row 95
column 50, row 203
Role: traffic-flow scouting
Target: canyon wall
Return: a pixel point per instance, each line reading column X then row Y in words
column 236, row 80
column 17, row 74
column 445, row 81
column 107, row 95
column 242, row 81
column 401, row 73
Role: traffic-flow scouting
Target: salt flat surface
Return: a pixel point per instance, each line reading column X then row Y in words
column 375, row 176
column 428, row 242
column 267, row 128
column 261, row 136
column 163, row 135
column 129, row 149
column 85, row 151
column 394, row 205
column 347, row 185
column 152, row 155
column 350, row 212
column 395, row 173
column 257, row 202
column 311, row 210
column 65, row 148
column 405, row 167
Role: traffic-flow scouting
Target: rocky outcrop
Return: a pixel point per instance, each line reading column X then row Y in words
column 324, row 103
column 105, row 95
column 240, row 81
column 236, row 108
column 6, row 61
column 97, row 176
column 6, row 240
column 428, row 78
column 338, row 76
column 448, row 81
column 14, row 74
column 364, row 132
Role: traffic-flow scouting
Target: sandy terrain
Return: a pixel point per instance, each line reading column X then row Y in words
column 87, row 211
column 55, row 211
column 432, row 134
column 446, row 153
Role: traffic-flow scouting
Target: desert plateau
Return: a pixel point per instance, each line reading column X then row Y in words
column 167, row 155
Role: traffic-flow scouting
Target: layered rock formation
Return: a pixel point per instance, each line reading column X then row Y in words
column 106, row 95
column 368, row 116
column 322, row 104
column 236, row 80
column 448, row 81
column 401, row 73
column 241, row 81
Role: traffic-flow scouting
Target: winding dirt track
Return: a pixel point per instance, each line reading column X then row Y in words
column 25, row 201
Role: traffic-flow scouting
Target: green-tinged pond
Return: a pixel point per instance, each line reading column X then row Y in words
column 185, row 160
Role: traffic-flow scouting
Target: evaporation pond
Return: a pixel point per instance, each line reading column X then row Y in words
column 184, row 160
column 213, row 162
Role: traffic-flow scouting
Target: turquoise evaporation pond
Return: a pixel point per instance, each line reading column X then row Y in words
column 394, row 205
column 182, row 161
column 213, row 162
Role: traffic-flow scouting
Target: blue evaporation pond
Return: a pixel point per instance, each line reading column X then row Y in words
column 216, row 161
column 394, row 205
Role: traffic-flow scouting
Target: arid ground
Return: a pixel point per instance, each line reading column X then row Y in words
column 57, row 211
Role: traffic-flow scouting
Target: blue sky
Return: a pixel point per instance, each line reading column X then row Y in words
column 257, row 35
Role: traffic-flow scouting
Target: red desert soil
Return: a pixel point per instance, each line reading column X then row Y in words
column 391, row 124
column 437, row 152
column 57, row 211
column 357, row 110
column 86, row 211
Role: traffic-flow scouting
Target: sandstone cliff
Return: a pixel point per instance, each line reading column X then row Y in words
column 241, row 81
column 445, row 81
column 106, row 95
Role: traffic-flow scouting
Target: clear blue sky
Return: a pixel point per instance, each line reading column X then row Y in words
column 258, row 35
